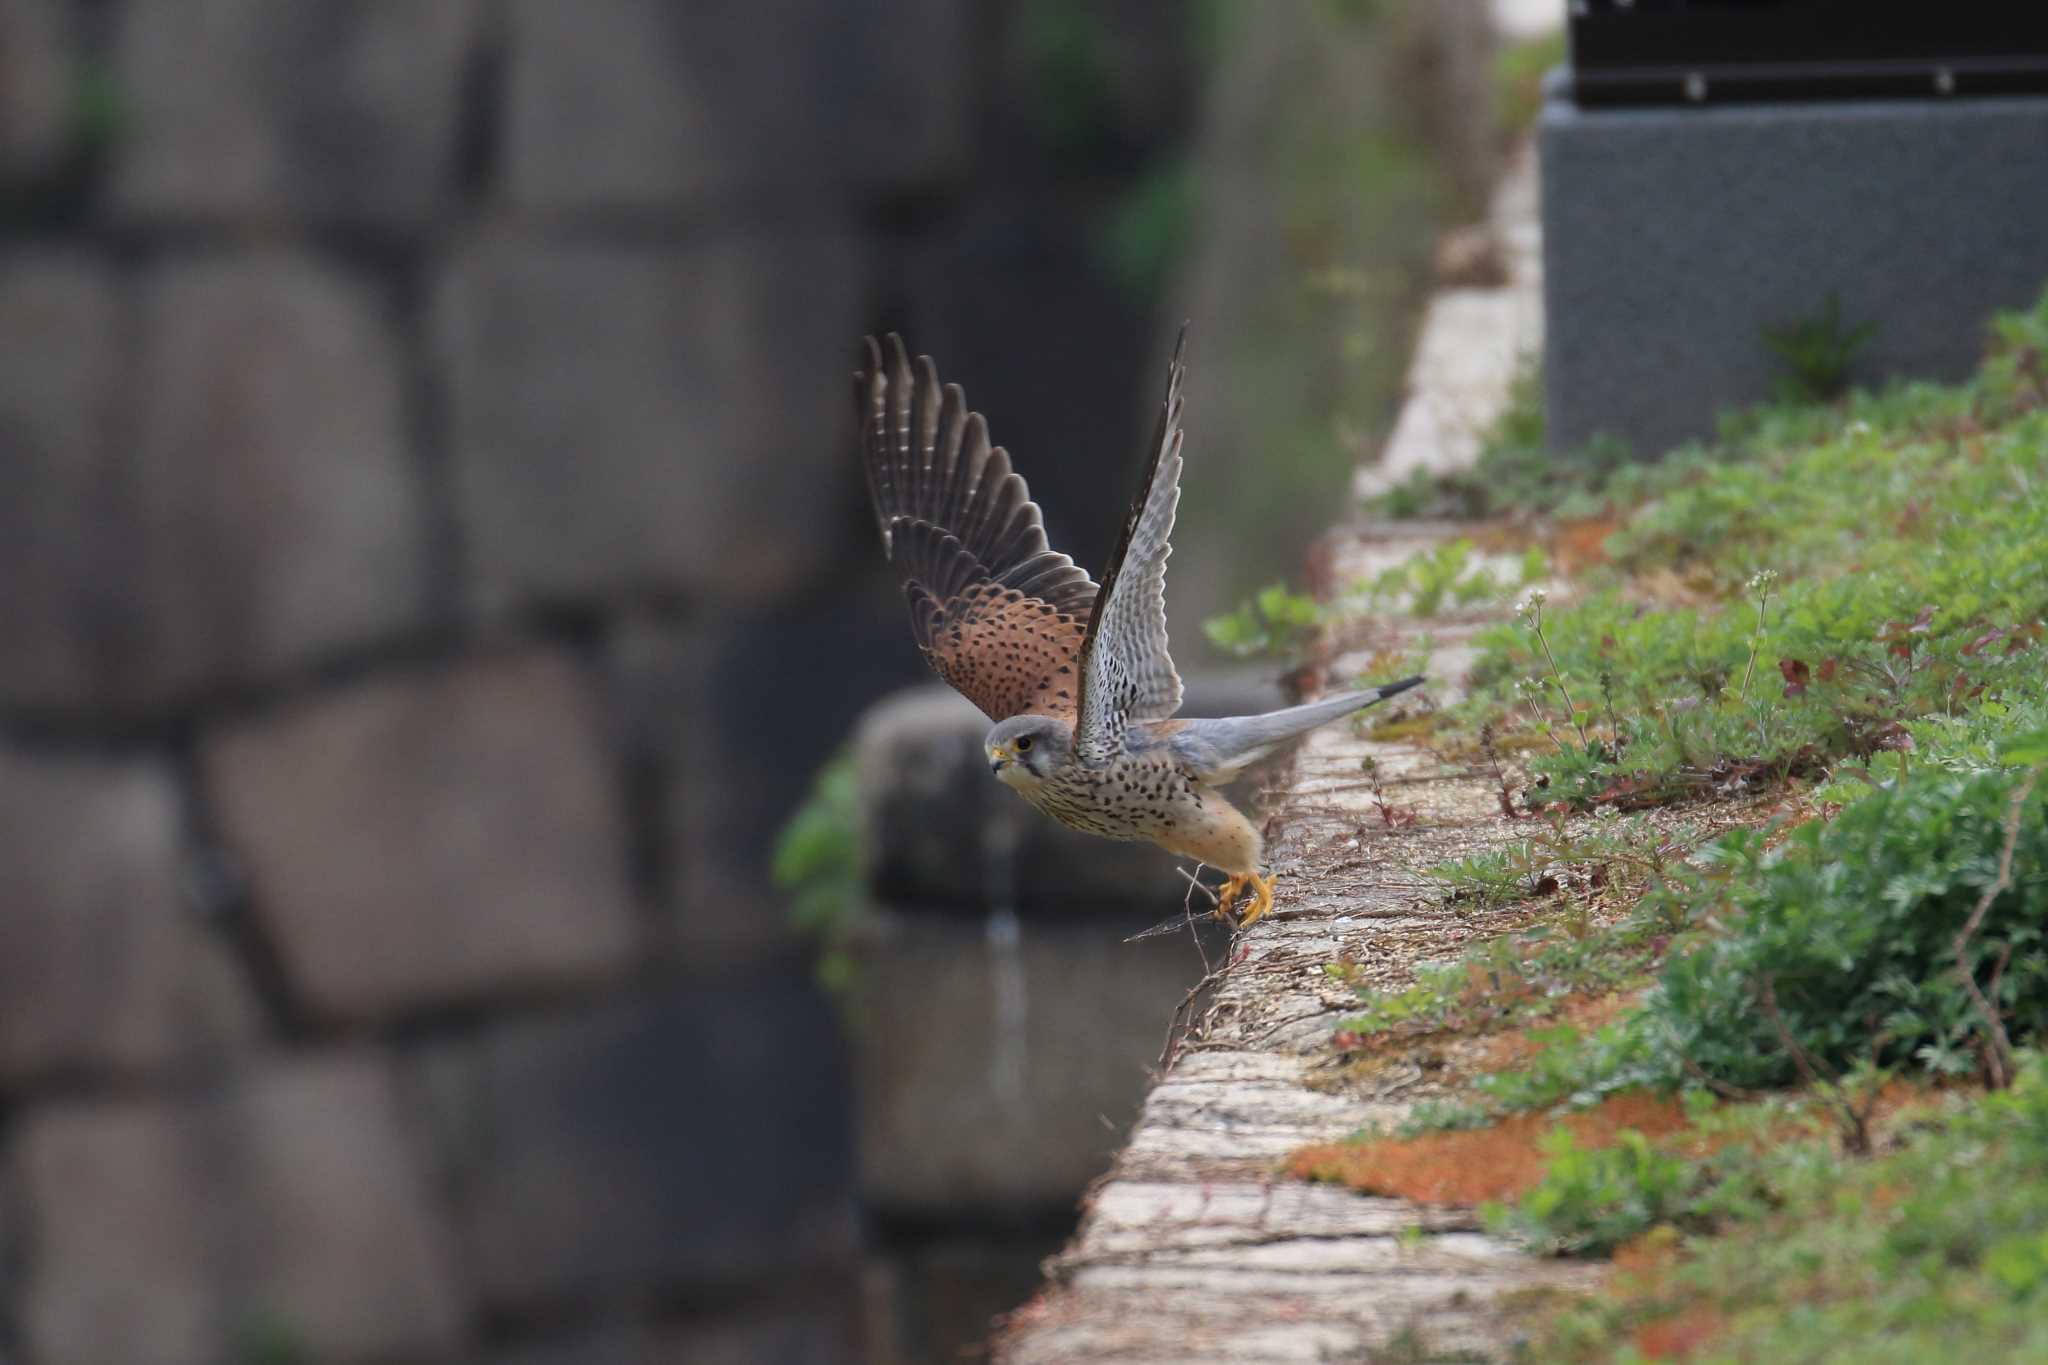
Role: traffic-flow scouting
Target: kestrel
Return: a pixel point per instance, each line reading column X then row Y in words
column 1076, row 676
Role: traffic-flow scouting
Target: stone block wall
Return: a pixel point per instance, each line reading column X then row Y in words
column 432, row 564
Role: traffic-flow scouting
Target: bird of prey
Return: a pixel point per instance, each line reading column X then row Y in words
column 1076, row 675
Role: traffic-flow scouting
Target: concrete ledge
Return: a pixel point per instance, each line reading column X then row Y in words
column 1674, row 237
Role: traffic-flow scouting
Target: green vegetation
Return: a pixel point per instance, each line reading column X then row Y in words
column 1781, row 1250
column 1593, row 1199
column 1069, row 54
column 1518, row 72
column 1517, row 476
column 1148, row 229
column 1778, row 962
column 1817, row 353
column 1821, row 640
column 817, row 860
column 1273, row 623
column 60, row 193
column 266, row 1337
column 1452, row 572
column 1844, row 942
column 1278, row 623
column 1754, row 623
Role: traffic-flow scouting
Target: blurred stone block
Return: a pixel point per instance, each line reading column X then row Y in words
column 994, row 293
column 634, row 104
column 772, row 1333
column 606, row 427
column 341, row 111
column 61, row 324
column 945, row 1289
column 782, row 1336
column 697, row 1138
column 425, row 838
column 285, row 1209
column 940, row 833
column 100, row 967
column 278, row 513
column 731, row 720
column 1001, row 1072
column 1102, row 84
column 38, row 85
column 257, row 513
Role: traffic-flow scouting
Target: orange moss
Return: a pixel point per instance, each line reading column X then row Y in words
column 1677, row 1337
column 1472, row 1166
column 1585, row 1013
column 1645, row 1259
column 1576, row 546
column 1902, row 1098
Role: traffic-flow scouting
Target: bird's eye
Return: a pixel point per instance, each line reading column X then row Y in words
column 1023, row 744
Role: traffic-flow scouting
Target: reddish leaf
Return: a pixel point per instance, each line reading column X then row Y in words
column 1827, row 670
column 1989, row 637
column 1796, row 674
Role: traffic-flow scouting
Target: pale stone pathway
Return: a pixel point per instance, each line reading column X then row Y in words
column 1193, row 1248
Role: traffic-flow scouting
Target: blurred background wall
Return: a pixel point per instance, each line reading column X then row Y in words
column 433, row 565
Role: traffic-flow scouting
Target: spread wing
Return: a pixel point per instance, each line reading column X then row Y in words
column 999, row 614
column 1126, row 672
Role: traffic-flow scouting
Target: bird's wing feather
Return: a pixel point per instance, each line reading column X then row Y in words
column 1126, row 671
column 999, row 614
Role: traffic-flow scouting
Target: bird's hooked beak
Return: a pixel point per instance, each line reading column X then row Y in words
column 1000, row 756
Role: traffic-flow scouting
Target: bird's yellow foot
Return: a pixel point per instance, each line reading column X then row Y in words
column 1262, row 900
column 1226, row 896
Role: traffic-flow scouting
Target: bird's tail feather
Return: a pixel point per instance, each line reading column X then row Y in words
column 1225, row 746
column 1275, row 726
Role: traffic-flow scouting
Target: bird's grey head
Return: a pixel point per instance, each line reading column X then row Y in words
column 1024, row 750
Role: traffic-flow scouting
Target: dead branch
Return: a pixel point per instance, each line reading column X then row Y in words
column 1854, row 1121
column 1997, row 1045
column 1722, row 1088
column 1176, row 1027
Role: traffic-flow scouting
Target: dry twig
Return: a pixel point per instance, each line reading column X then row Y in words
column 1855, row 1120
column 1997, row 1045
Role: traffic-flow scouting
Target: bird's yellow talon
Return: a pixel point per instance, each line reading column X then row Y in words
column 1226, row 897
column 1262, row 900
